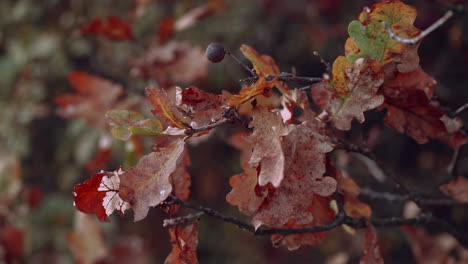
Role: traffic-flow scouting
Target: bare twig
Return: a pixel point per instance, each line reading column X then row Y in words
column 324, row 62
column 251, row 71
column 460, row 109
column 341, row 218
column 191, row 131
column 289, row 77
column 399, row 198
column 309, row 86
column 424, row 33
column 181, row 220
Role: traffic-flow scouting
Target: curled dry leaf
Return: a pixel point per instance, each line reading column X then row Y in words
column 100, row 195
column 352, row 92
column 170, row 63
column 184, row 244
column 148, row 183
column 94, row 96
column 264, row 66
column 457, row 189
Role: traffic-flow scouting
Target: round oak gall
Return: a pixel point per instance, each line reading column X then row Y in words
column 215, row 52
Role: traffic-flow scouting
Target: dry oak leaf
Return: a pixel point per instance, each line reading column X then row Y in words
column 371, row 247
column 268, row 131
column 201, row 107
column 184, row 245
column 304, row 149
column 264, row 66
column 457, row 189
column 99, row 195
column 148, row 183
column 351, row 204
column 113, row 28
column 323, row 214
column 165, row 106
column 93, row 98
column 361, row 81
column 244, row 193
column 434, row 249
column 369, row 39
column 410, row 110
column 171, row 62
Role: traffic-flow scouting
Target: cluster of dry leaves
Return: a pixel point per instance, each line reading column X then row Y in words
column 288, row 179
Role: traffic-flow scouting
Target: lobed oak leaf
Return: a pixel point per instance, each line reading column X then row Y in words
column 113, row 28
column 171, row 62
column 371, row 247
column 184, row 244
column 94, row 97
column 305, row 149
column 148, row 183
column 322, row 213
column 362, row 81
column 369, row 39
column 268, row 130
column 100, row 195
column 457, row 189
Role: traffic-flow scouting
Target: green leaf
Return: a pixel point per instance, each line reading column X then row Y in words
column 127, row 123
column 370, row 40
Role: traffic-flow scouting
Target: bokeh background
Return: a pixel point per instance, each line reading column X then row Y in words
column 43, row 155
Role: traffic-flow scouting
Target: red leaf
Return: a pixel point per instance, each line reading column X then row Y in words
column 11, row 243
column 148, row 183
column 184, row 244
column 371, row 247
column 114, row 28
column 99, row 195
column 457, row 189
column 94, row 97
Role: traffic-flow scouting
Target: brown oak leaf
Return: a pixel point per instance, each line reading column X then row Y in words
column 305, row 149
column 457, row 189
column 184, row 245
column 353, row 92
column 148, row 183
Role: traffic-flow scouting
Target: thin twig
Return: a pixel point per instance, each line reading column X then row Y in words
column 399, row 198
column 460, row 109
column 424, row 33
column 289, row 77
column 309, row 86
column 181, row 220
column 251, row 71
column 191, row 131
column 324, row 62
